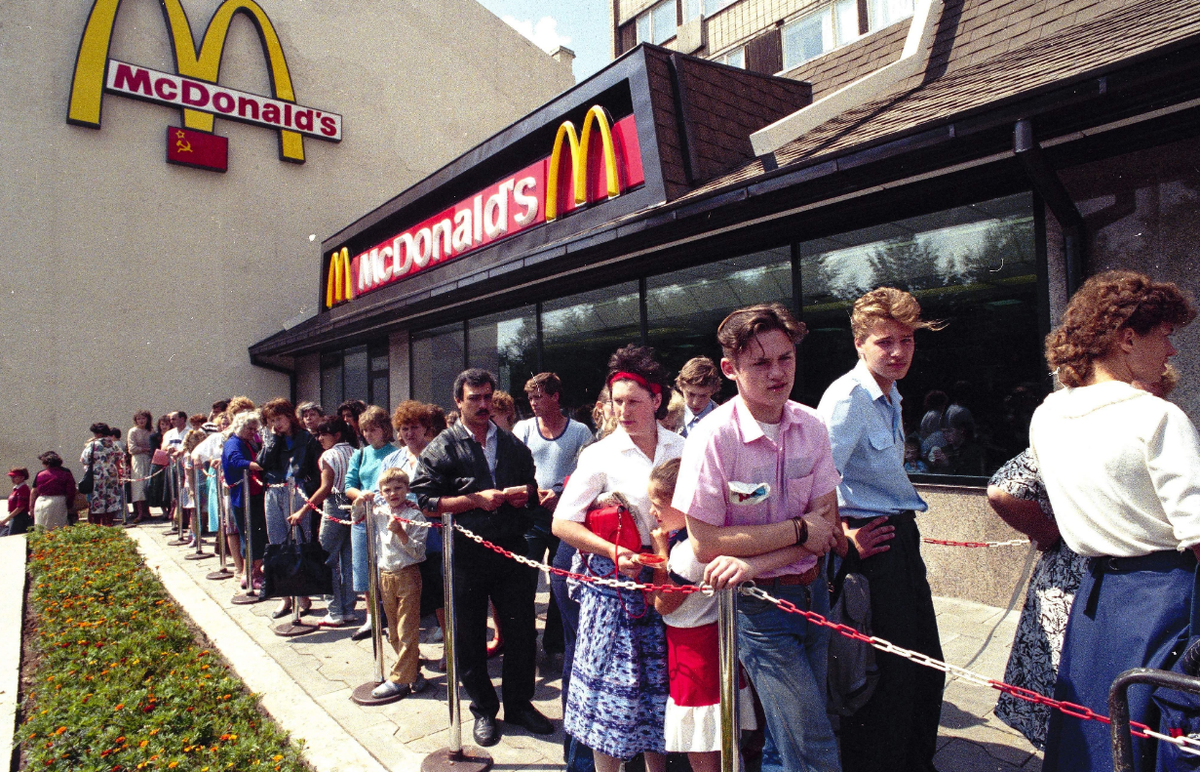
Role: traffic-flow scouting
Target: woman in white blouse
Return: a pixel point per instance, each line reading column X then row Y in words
column 1122, row 469
column 617, row 696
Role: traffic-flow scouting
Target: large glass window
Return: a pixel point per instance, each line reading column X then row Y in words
column 807, row 38
column 657, row 25
column 967, row 398
column 885, row 12
column 580, row 332
column 973, row 384
column 437, row 359
column 683, row 308
column 506, row 344
column 358, row 372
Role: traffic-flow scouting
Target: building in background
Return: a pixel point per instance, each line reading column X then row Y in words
column 986, row 155
column 137, row 274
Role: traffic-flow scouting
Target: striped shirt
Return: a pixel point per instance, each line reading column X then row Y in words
column 337, row 460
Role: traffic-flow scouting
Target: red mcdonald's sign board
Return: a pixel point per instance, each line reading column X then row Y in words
column 605, row 161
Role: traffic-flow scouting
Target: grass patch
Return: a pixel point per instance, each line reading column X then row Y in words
column 118, row 680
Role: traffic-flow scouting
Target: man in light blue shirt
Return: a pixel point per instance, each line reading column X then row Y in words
column 698, row 382
column 896, row 731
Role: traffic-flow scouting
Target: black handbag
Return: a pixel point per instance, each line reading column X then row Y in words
column 88, row 483
column 295, row 569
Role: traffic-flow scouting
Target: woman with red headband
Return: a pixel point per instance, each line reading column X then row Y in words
column 617, row 692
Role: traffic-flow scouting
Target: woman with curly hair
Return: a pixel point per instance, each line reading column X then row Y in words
column 1122, row 470
column 617, row 695
column 53, row 493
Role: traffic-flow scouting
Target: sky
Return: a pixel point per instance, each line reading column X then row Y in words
column 580, row 25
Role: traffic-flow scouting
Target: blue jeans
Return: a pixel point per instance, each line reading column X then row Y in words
column 786, row 659
column 358, row 542
column 335, row 540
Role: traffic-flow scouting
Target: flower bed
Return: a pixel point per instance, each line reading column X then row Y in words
column 117, row 679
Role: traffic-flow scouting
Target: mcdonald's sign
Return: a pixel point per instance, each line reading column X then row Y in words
column 532, row 196
column 337, row 280
column 194, row 87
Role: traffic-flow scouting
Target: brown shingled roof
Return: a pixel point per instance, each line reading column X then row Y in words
column 1059, row 43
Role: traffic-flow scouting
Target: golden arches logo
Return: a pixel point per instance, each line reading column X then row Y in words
column 337, row 282
column 87, row 85
column 579, row 145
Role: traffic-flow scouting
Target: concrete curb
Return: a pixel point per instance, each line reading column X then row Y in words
column 12, row 615
column 328, row 746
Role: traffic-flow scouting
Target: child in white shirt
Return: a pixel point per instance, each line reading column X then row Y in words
column 401, row 548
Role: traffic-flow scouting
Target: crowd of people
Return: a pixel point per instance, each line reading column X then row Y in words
column 670, row 488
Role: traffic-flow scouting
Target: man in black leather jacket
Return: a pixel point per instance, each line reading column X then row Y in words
column 485, row 476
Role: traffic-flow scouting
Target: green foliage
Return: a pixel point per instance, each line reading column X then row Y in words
column 120, row 682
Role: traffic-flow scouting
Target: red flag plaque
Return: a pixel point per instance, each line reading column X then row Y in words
column 197, row 149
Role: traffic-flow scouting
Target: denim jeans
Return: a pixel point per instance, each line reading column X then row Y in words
column 335, row 540
column 786, row 659
column 358, row 542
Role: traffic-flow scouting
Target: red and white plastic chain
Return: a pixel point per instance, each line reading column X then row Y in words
column 1185, row 743
column 947, row 543
column 142, row 479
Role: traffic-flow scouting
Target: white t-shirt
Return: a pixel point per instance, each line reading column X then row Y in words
column 1122, row 468
column 697, row 608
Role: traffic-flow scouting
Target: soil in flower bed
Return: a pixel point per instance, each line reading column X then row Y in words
column 114, row 678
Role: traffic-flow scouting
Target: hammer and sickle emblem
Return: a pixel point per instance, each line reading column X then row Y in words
column 182, row 145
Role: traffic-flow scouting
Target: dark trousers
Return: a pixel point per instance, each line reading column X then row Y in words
column 896, row 731
column 577, row 756
column 541, row 541
column 481, row 575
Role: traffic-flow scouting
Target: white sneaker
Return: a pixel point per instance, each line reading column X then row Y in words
column 390, row 689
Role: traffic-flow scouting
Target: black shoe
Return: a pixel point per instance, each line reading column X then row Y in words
column 486, row 733
column 529, row 718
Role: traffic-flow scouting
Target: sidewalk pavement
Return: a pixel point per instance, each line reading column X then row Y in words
column 12, row 595
column 306, row 681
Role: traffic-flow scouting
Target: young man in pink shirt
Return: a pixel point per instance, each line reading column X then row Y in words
column 757, row 477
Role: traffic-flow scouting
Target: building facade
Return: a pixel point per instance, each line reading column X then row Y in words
column 985, row 155
column 143, row 273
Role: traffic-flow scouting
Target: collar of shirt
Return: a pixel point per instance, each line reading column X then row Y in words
column 749, row 427
column 489, row 444
column 625, row 444
column 862, row 374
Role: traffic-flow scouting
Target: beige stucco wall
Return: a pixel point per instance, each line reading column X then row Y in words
column 992, row 575
column 130, row 283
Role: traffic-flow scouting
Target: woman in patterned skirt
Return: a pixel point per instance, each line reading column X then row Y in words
column 617, row 698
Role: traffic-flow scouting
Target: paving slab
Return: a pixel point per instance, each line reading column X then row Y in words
column 12, row 614
column 322, row 668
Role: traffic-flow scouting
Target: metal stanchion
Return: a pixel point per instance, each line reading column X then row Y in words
column 728, row 658
column 197, row 528
column 124, row 502
column 362, row 694
column 454, row 757
column 222, row 540
column 294, row 626
column 168, row 495
column 176, row 470
column 249, row 596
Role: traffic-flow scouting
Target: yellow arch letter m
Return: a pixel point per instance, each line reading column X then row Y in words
column 87, row 86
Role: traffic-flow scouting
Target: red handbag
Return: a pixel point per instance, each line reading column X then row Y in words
column 614, row 524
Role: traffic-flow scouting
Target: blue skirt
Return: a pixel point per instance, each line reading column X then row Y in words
column 1135, row 615
column 617, row 700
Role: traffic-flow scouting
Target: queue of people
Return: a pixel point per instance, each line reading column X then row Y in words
column 671, row 488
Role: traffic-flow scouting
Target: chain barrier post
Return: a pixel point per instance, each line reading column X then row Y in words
column 168, row 495
column 123, row 481
column 249, row 596
column 222, row 538
column 294, row 626
column 727, row 654
column 454, row 757
column 362, row 694
column 179, row 490
column 197, row 522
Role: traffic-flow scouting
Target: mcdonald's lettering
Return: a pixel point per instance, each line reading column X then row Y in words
column 194, row 89
column 525, row 199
